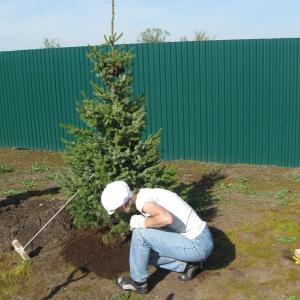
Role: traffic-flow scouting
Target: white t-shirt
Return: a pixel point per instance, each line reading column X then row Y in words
column 185, row 219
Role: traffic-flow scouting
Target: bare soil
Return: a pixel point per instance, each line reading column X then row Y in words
column 253, row 213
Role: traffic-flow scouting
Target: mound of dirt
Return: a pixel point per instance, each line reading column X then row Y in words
column 86, row 249
column 22, row 218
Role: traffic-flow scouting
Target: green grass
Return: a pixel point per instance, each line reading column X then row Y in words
column 28, row 184
column 287, row 240
column 54, row 176
column 262, row 244
column 12, row 273
column 38, row 168
column 12, row 192
column 125, row 296
column 4, row 168
column 296, row 177
column 281, row 194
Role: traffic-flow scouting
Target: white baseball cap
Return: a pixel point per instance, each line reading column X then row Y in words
column 115, row 195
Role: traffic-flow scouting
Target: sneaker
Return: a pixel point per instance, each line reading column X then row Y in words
column 128, row 284
column 190, row 271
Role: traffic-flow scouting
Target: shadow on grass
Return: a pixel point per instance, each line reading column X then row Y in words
column 223, row 253
column 35, row 252
column 199, row 194
column 71, row 278
column 157, row 276
column 19, row 198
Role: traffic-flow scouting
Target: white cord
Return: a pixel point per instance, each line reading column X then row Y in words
column 22, row 249
column 19, row 249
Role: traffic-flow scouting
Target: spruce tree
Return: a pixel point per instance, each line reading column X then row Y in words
column 110, row 145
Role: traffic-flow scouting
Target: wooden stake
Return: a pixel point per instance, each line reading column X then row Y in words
column 297, row 253
column 19, row 248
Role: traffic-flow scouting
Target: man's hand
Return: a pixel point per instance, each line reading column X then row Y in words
column 137, row 221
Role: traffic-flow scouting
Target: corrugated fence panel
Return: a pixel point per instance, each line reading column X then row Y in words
column 222, row 101
column 230, row 101
column 38, row 93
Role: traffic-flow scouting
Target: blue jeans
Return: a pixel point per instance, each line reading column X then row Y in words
column 165, row 249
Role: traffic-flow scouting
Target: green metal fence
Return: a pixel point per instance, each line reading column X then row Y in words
column 221, row 101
